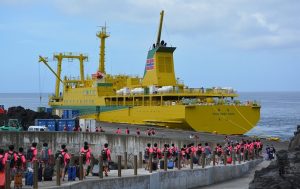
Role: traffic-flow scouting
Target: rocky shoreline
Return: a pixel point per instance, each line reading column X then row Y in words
column 283, row 173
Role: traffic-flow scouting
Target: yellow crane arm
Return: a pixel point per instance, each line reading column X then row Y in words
column 45, row 61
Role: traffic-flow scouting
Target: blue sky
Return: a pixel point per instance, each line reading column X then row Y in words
column 250, row 45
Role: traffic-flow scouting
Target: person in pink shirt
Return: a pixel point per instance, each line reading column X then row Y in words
column 45, row 154
column 66, row 160
column 2, row 162
column 127, row 132
column 85, row 152
column 10, row 156
column 138, row 132
column 32, row 153
column 148, row 151
column 105, row 153
column 118, row 131
column 21, row 160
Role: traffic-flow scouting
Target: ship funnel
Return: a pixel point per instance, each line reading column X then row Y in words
column 159, row 69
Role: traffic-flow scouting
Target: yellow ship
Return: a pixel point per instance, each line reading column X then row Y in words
column 157, row 98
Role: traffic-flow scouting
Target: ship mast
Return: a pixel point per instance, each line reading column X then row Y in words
column 102, row 35
column 160, row 27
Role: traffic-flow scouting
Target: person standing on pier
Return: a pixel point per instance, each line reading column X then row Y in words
column 138, row 132
column 118, row 131
column 105, row 153
column 127, row 132
column 148, row 151
column 86, row 155
column 32, row 154
column 65, row 160
column 2, row 166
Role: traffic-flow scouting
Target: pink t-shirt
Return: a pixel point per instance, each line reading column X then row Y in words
column 66, row 158
column 35, row 152
column 7, row 154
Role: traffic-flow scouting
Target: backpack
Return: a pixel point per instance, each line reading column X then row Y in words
column 255, row 146
column 84, row 153
column 174, row 152
column 29, row 154
column 206, row 150
column 1, row 165
column 199, row 152
column 146, row 154
column 45, row 153
column 168, row 152
column 104, row 154
column 154, row 153
column 11, row 158
column 59, row 155
column 19, row 160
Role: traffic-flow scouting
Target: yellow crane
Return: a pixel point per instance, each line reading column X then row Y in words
column 59, row 57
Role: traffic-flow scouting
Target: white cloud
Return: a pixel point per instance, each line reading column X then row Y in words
column 241, row 23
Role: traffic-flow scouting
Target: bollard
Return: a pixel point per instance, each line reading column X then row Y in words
column 125, row 160
column 140, row 160
column 225, row 158
column 100, row 167
column 203, row 160
column 57, row 165
column 119, row 165
column 234, row 156
column 179, row 161
column 191, row 161
column 150, row 163
column 80, row 168
column 248, row 158
column 35, row 174
column 7, row 175
column 165, row 161
column 135, row 164
column 214, row 158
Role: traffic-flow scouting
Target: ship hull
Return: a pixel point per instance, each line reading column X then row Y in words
column 222, row 119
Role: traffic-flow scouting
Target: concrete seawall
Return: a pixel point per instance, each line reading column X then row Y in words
column 74, row 140
column 175, row 179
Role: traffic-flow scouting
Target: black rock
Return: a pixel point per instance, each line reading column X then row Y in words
column 284, row 172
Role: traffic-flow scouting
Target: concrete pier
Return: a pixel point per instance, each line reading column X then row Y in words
column 171, row 179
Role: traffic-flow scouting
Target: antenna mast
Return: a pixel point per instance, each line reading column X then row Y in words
column 102, row 35
column 160, row 27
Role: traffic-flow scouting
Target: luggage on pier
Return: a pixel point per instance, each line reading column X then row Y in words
column 229, row 160
column 2, row 179
column 72, row 173
column 95, row 171
column 195, row 160
column 170, row 164
column 40, row 173
column 29, row 178
column 154, row 166
column 18, row 180
column 162, row 164
column 48, row 173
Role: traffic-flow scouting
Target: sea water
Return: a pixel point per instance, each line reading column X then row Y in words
column 280, row 111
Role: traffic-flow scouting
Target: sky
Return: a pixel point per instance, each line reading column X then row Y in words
column 250, row 45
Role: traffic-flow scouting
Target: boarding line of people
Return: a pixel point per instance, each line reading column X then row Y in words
column 20, row 162
column 195, row 152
